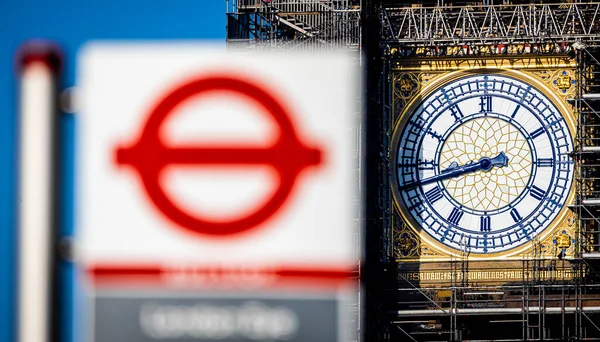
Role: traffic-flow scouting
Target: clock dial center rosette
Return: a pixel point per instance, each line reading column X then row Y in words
column 487, row 137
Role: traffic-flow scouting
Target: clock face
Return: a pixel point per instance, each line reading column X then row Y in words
column 483, row 164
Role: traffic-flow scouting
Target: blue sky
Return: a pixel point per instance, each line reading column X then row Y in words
column 71, row 23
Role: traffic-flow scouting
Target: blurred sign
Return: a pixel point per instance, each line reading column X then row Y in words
column 149, row 156
column 224, row 319
column 227, row 173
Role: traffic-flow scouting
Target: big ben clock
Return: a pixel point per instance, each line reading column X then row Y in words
column 481, row 162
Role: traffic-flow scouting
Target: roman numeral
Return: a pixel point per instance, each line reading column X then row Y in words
column 434, row 195
column 515, row 215
column 455, row 216
column 434, row 134
column 537, row 193
column 456, row 112
column 485, row 224
column 536, row 133
column 454, row 109
column 525, row 93
column 545, row 162
column 486, row 104
column 415, row 204
column 515, row 112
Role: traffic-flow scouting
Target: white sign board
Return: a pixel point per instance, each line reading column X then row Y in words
column 192, row 157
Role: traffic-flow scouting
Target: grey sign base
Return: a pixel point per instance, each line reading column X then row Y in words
column 171, row 318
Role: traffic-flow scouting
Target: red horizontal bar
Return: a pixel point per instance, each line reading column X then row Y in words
column 219, row 277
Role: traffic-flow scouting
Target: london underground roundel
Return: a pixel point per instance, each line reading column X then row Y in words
column 482, row 164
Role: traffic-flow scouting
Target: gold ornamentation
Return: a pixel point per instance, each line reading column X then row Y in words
column 546, row 248
column 508, row 274
column 544, row 75
column 529, row 63
column 428, row 251
column 405, row 244
column 564, row 237
column 487, row 137
column 427, row 77
column 564, row 81
column 562, row 240
column 406, row 85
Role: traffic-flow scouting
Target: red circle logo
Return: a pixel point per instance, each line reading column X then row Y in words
column 149, row 155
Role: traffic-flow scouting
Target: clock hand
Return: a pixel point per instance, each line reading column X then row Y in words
column 454, row 170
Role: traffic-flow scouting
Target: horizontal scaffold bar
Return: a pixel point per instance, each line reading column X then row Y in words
column 456, row 25
column 495, row 311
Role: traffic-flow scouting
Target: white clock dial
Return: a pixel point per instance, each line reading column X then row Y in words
column 482, row 164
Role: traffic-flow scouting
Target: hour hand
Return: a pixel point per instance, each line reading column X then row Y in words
column 454, row 170
column 452, row 166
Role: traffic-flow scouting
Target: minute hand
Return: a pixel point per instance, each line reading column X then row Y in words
column 484, row 164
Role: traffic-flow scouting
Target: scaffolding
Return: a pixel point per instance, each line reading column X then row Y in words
column 555, row 298
column 587, row 154
column 486, row 24
column 540, row 305
column 305, row 25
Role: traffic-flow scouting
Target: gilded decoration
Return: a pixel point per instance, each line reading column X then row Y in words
column 406, row 87
column 562, row 81
column 564, row 238
column 411, row 79
column 406, row 243
column 560, row 244
column 544, row 75
column 431, row 252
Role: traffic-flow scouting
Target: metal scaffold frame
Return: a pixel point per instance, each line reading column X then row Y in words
column 397, row 308
column 304, row 25
column 587, row 153
column 535, row 308
column 481, row 24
